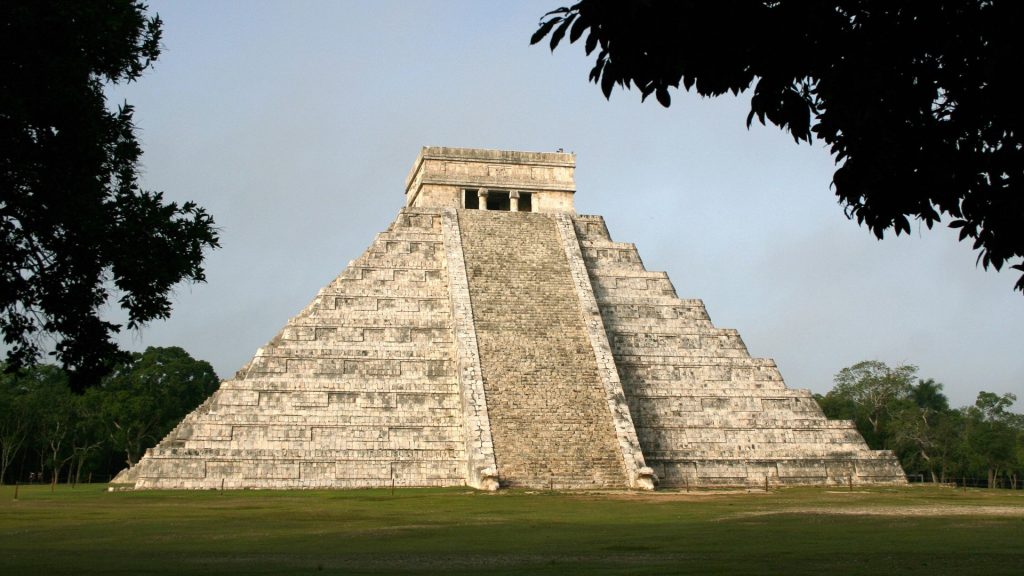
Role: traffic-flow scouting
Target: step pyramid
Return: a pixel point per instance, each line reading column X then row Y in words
column 491, row 337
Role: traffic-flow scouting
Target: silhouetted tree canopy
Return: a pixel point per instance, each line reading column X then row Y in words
column 76, row 231
column 917, row 100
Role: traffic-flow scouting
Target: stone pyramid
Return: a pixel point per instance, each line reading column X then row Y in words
column 491, row 337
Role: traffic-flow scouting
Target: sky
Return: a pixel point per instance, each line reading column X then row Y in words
column 295, row 124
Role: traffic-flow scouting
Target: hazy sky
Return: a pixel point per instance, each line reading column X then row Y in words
column 295, row 124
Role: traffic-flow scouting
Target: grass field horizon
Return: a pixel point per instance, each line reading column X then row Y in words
column 914, row 530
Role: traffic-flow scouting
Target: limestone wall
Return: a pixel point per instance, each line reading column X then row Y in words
column 440, row 175
column 359, row 389
column 705, row 412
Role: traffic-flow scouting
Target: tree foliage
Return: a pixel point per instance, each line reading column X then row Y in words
column 895, row 410
column 917, row 100
column 47, row 430
column 922, row 428
column 991, row 435
column 872, row 388
column 77, row 232
column 144, row 399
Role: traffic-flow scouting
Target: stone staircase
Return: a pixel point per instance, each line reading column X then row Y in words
column 549, row 416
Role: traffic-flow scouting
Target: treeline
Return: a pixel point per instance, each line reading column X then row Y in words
column 49, row 434
column 896, row 410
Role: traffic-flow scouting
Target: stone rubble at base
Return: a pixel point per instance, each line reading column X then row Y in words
column 513, row 344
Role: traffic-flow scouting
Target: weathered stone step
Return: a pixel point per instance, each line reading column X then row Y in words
column 349, row 383
column 328, row 318
column 780, row 451
column 586, row 245
column 544, row 397
column 683, row 391
column 383, row 261
column 339, row 448
column 389, row 276
column 679, row 344
column 591, row 228
column 613, row 313
column 656, row 332
column 231, row 415
column 750, row 420
column 680, row 355
column 648, row 300
column 753, row 366
column 611, row 256
column 637, row 325
column 385, row 289
column 326, row 349
column 355, row 335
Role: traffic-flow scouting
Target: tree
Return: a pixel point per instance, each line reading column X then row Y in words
column 1017, row 464
column 917, row 430
column 913, row 419
column 87, row 433
column 917, row 100
column 991, row 435
column 45, row 428
column 51, row 408
column 77, row 233
column 145, row 398
column 14, row 420
column 875, row 391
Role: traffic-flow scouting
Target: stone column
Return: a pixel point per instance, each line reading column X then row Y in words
column 513, row 201
column 482, row 195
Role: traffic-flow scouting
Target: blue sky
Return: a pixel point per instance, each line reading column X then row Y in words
column 295, row 124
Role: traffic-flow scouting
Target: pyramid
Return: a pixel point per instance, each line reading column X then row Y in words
column 491, row 337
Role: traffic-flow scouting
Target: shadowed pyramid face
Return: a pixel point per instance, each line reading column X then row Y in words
column 492, row 345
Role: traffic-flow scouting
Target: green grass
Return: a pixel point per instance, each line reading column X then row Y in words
column 817, row 531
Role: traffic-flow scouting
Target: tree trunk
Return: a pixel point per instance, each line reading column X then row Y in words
column 7, row 454
column 928, row 461
column 78, row 472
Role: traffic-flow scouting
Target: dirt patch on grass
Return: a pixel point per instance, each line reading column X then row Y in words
column 665, row 496
column 766, row 504
column 897, row 511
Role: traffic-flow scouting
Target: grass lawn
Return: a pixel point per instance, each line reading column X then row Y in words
column 920, row 530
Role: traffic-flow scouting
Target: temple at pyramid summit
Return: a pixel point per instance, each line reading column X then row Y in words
column 491, row 337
